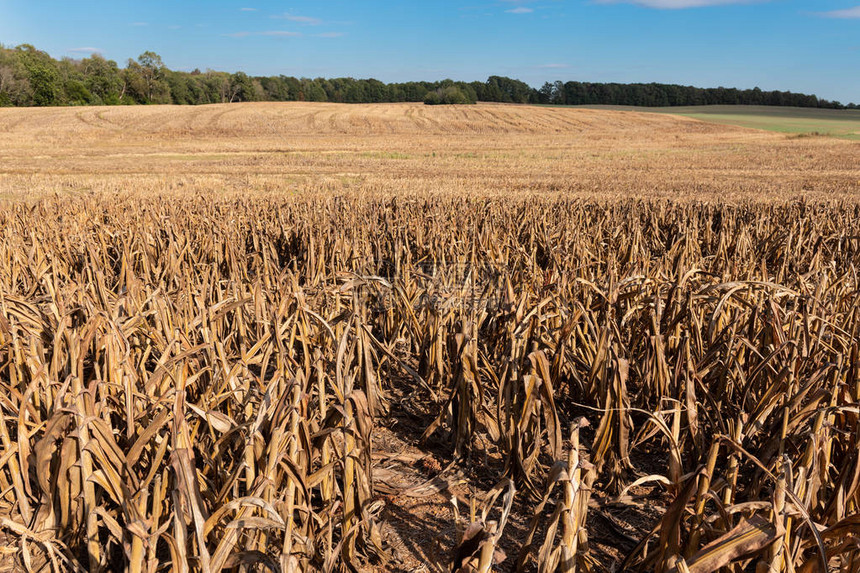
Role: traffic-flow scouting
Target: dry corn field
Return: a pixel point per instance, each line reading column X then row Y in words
column 312, row 337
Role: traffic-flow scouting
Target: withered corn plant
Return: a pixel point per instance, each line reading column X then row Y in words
column 196, row 383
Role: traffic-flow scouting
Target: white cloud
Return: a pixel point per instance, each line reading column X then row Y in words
column 247, row 9
column 678, row 4
column 281, row 33
column 520, row 10
column 553, row 66
column 844, row 14
column 86, row 50
column 270, row 33
column 300, row 19
column 330, row 35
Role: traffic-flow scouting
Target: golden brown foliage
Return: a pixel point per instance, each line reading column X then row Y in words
column 298, row 148
column 195, row 382
column 198, row 383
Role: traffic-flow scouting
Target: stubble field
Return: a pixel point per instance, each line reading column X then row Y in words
column 315, row 337
column 411, row 149
column 802, row 122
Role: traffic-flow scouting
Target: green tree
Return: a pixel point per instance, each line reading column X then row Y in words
column 376, row 91
column 77, row 93
column 14, row 84
column 450, row 95
column 242, row 88
column 508, row 90
column 312, row 90
column 275, row 89
column 46, row 87
column 31, row 77
column 102, row 78
column 146, row 78
column 180, row 93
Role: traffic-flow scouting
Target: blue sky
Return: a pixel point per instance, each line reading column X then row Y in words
column 810, row 46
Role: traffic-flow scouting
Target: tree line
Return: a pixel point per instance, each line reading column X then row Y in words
column 31, row 77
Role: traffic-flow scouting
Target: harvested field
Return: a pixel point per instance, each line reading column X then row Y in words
column 411, row 148
column 803, row 122
column 397, row 338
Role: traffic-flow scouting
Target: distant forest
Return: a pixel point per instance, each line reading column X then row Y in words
column 30, row 77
